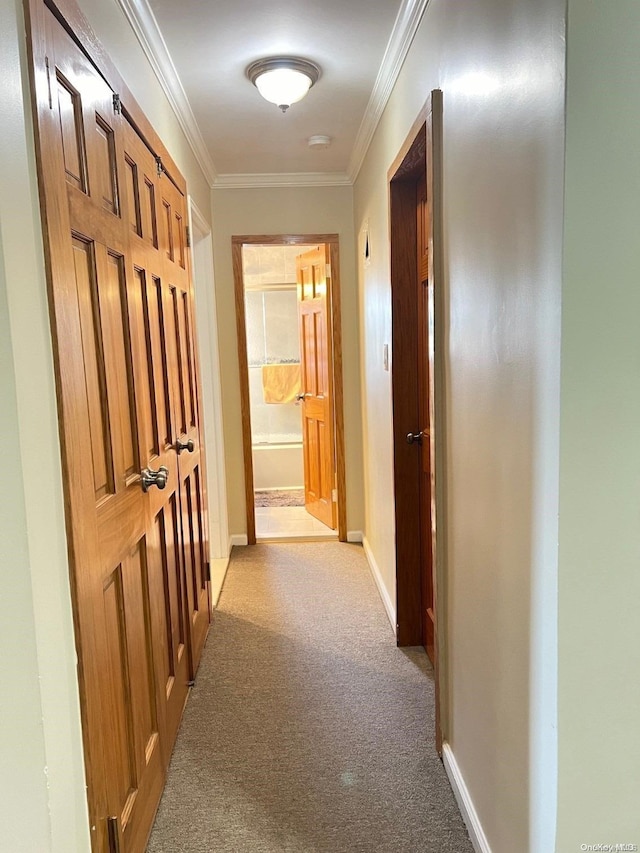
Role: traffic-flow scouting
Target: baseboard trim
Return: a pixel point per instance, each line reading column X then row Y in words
column 354, row 535
column 377, row 576
column 218, row 574
column 465, row 803
column 239, row 539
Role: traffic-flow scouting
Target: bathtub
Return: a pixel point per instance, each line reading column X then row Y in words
column 278, row 466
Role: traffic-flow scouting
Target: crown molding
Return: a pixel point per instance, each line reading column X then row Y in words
column 282, row 179
column 402, row 35
column 144, row 24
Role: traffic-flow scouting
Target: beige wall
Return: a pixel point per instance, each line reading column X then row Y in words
column 599, row 561
column 42, row 785
column 290, row 210
column 500, row 65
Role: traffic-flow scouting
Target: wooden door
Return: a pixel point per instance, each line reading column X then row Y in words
column 112, row 284
column 424, row 396
column 313, row 278
column 180, row 337
column 153, row 318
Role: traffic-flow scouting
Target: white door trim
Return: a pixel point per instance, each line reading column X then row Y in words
column 207, row 328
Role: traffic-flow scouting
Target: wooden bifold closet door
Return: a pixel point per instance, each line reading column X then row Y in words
column 123, row 328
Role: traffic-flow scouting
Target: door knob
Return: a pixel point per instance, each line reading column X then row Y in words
column 185, row 445
column 414, row 438
column 300, row 398
column 158, row 478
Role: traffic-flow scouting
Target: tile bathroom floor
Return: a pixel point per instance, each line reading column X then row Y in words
column 289, row 522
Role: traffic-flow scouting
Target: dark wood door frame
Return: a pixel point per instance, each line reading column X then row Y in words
column 420, row 158
column 332, row 241
column 404, row 358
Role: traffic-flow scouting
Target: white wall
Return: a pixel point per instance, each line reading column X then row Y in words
column 42, row 792
column 500, row 65
column 285, row 210
column 211, row 400
column 599, row 574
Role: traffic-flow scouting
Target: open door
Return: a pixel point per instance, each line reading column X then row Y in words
column 319, row 323
column 313, row 269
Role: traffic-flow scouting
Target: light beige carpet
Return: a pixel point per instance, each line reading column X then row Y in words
column 287, row 497
column 308, row 731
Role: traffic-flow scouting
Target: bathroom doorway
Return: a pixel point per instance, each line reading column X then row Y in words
column 288, row 312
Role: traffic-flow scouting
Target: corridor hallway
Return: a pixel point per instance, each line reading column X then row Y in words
column 307, row 731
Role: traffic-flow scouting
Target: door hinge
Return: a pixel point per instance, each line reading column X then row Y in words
column 159, row 166
column 188, row 236
column 117, row 104
column 327, row 270
column 334, row 495
column 207, row 571
column 114, row 835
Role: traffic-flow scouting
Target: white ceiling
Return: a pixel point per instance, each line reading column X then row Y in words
column 200, row 49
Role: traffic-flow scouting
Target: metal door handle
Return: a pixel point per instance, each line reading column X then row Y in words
column 300, row 398
column 149, row 477
column 414, row 438
column 185, row 445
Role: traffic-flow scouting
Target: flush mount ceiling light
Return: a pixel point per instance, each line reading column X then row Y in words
column 283, row 80
column 319, row 141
